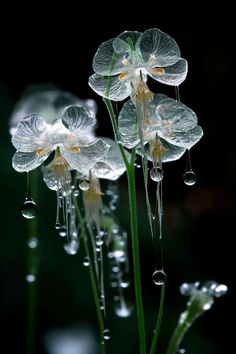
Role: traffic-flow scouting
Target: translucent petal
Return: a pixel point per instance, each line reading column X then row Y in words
column 78, row 118
column 174, row 75
column 50, row 178
column 174, row 116
column 27, row 161
column 110, row 87
column 185, row 139
column 107, row 61
column 132, row 38
column 111, row 166
column 87, row 157
column 161, row 46
column 128, row 126
column 31, row 134
column 171, row 152
column 47, row 102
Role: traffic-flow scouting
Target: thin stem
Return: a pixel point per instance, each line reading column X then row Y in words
column 177, row 337
column 32, row 267
column 92, row 277
column 130, row 166
column 158, row 323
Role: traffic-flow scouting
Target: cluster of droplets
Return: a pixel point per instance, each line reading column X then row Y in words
column 112, row 192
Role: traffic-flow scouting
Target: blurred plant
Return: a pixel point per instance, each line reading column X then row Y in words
column 56, row 130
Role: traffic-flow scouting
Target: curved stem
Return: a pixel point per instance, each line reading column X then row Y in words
column 130, row 166
column 177, row 337
column 92, row 278
column 159, row 319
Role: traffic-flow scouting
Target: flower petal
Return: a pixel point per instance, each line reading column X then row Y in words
column 128, row 126
column 186, row 139
column 31, row 134
column 78, row 118
column 174, row 75
column 107, row 60
column 132, row 38
column 111, row 166
column 86, row 157
column 27, row 161
column 160, row 46
column 110, row 87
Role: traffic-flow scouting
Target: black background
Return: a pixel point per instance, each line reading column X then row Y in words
column 56, row 45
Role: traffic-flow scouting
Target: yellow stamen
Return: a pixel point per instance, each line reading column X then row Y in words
column 41, row 151
column 157, row 71
column 75, row 149
column 143, row 94
column 157, row 150
column 125, row 62
column 147, row 121
column 123, row 76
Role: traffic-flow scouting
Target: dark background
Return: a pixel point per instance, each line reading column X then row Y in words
column 42, row 44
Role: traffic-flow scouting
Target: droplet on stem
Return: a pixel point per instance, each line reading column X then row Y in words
column 84, row 184
column 29, row 209
column 189, row 178
column 106, row 334
column 30, row 278
column 159, row 277
column 156, row 174
column 86, row 261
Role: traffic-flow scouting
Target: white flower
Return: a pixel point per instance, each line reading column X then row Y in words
column 35, row 139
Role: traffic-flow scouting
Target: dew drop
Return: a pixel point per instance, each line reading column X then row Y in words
column 76, row 193
column 159, row 277
column 62, row 231
column 29, row 209
column 181, row 351
column 86, row 261
column 156, row 174
column 57, row 226
column 106, row 334
column 220, row 290
column 101, row 304
column 84, row 184
column 99, row 241
column 32, row 242
column 124, row 282
column 189, row 178
column 30, row 278
column 72, row 247
column 123, row 310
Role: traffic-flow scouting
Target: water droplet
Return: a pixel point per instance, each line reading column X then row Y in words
column 115, row 269
column 99, row 241
column 57, row 226
column 32, row 242
column 72, row 247
column 62, row 231
column 124, row 282
column 156, row 174
column 190, row 178
column 159, row 277
column 106, row 334
column 181, row 351
column 123, row 310
column 76, row 192
column 86, row 261
column 220, row 290
column 101, row 304
column 30, row 278
column 84, row 184
column 29, row 209
column 187, row 289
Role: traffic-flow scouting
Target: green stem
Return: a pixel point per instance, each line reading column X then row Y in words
column 177, row 337
column 159, row 319
column 32, row 268
column 130, row 166
column 92, row 278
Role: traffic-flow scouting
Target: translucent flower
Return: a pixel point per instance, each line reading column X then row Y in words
column 48, row 102
column 170, row 127
column 35, row 139
column 122, row 64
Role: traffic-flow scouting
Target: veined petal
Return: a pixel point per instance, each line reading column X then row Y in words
column 110, row 87
column 27, row 161
column 50, row 178
column 87, row 156
column 107, row 60
column 78, row 118
column 185, row 139
column 128, row 125
column 31, row 134
column 174, row 75
column 162, row 48
column 111, row 166
column 132, row 38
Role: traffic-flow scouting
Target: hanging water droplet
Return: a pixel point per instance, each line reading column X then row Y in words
column 106, row 334
column 156, row 174
column 99, row 241
column 159, row 277
column 123, row 310
column 32, row 242
column 30, row 278
column 57, row 226
column 86, row 261
column 76, row 192
column 29, row 209
column 101, row 304
column 181, row 351
column 187, row 289
column 189, row 178
column 219, row 290
column 62, row 231
column 124, row 282
column 84, row 184
column 72, row 247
